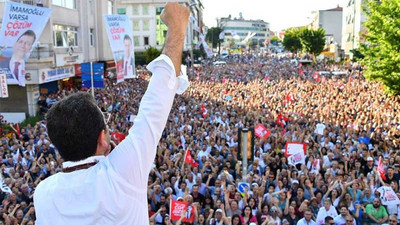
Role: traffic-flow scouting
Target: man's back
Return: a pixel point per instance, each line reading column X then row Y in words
column 97, row 191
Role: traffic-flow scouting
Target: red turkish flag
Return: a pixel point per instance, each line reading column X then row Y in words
column 316, row 77
column 281, row 120
column 381, row 170
column 189, row 159
column 117, row 137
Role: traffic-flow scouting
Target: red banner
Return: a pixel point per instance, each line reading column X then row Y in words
column 189, row 159
column 381, row 170
column 262, row 132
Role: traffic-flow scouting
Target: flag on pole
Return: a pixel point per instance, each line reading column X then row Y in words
column 381, row 170
column 189, row 159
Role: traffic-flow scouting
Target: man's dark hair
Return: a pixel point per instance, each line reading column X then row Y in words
column 74, row 125
column 328, row 218
column 28, row 33
column 126, row 37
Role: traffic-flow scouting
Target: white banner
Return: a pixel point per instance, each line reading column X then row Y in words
column 388, row 196
column 4, row 187
column 3, row 86
column 120, row 35
column 294, row 148
column 21, row 27
column 297, row 158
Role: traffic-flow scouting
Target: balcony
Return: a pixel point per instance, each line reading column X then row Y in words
column 33, row 2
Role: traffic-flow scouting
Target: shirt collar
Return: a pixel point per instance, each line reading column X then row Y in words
column 91, row 159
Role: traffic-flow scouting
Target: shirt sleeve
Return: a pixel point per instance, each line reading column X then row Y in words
column 133, row 157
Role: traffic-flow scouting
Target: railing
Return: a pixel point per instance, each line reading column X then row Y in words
column 32, row 2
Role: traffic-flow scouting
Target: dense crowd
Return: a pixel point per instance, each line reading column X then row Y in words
column 337, row 184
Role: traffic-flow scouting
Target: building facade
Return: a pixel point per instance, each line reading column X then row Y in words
column 73, row 35
column 237, row 29
column 331, row 21
column 149, row 30
column 352, row 20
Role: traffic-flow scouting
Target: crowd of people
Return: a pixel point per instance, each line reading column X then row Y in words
column 338, row 184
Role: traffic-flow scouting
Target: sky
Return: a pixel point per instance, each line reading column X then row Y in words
column 280, row 14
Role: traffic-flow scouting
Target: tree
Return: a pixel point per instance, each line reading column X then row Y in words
column 213, row 36
column 313, row 41
column 274, row 40
column 382, row 43
column 291, row 40
column 151, row 53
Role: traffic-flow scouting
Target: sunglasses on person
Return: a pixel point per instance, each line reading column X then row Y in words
column 392, row 221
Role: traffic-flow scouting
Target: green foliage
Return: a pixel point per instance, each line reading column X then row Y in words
column 139, row 58
column 382, row 43
column 313, row 41
column 291, row 40
column 357, row 55
column 151, row 53
column 213, row 36
column 274, row 39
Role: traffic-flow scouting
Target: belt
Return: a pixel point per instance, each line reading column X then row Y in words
column 78, row 167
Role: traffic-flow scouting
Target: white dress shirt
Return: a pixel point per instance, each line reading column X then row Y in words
column 322, row 213
column 114, row 191
column 304, row 222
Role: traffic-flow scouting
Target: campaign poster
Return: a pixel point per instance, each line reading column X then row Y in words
column 292, row 148
column 262, row 132
column 388, row 196
column 21, row 28
column 176, row 209
column 120, row 35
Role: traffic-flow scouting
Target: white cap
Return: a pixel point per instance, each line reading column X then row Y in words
column 370, row 158
column 219, row 210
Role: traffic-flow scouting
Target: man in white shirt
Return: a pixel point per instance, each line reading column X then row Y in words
column 307, row 218
column 327, row 210
column 344, row 215
column 96, row 186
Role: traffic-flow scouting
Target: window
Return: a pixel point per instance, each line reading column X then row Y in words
column 161, row 28
column 145, row 10
column 136, row 40
column 71, row 4
column 121, row 11
column 65, row 36
column 135, row 10
column 146, row 40
column 110, row 7
column 145, row 25
column 136, row 25
column 92, row 37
